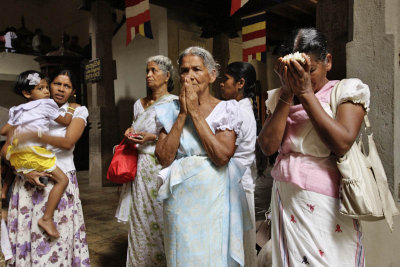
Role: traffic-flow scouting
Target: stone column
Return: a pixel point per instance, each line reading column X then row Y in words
column 103, row 134
column 221, row 55
column 373, row 56
column 332, row 19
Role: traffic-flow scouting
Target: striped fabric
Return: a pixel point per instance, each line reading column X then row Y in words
column 137, row 14
column 237, row 4
column 254, row 37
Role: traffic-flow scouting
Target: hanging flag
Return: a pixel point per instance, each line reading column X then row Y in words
column 236, row 4
column 254, row 37
column 137, row 14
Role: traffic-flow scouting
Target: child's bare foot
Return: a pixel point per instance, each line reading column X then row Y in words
column 3, row 193
column 49, row 227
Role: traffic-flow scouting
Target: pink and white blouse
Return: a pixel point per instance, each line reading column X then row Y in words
column 304, row 159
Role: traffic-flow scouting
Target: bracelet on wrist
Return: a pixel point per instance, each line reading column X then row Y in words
column 71, row 108
column 70, row 113
column 39, row 133
column 284, row 101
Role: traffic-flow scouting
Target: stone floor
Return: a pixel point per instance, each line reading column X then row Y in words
column 106, row 237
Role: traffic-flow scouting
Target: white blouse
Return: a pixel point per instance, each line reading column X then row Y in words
column 245, row 151
column 225, row 116
column 33, row 116
column 65, row 158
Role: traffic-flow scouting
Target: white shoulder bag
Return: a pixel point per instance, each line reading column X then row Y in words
column 364, row 191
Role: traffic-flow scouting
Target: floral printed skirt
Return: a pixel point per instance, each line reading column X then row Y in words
column 31, row 246
column 145, row 238
column 308, row 230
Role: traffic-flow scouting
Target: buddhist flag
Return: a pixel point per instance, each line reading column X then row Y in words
column 137, row 14
column 254, row 37
column 236, row 4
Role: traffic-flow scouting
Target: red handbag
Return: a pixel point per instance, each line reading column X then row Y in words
column 123, row 165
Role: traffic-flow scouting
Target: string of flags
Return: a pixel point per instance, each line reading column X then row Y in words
column 137, row 14
column 254, row 37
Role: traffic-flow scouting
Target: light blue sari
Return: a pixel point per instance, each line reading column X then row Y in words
column 205, row 207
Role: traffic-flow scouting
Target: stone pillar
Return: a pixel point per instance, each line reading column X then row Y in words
column 373, row 56
column 104, row 130
column 221, row 55
column 332, row 19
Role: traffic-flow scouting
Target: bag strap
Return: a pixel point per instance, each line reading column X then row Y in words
column 335, row 94
column 123, row 140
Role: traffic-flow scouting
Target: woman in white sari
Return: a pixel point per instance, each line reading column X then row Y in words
column 138, row 203
column 204, row 203
column 239, row 83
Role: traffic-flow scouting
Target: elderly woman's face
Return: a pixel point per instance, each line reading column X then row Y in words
column 193, row 67
column 318, row 71
column 61, row 89
column 155, row 77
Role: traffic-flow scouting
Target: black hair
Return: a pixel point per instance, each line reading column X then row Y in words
column 245, row 70
column 306, row 40
column 68, row 73
column 22, row 83
column 170, row 85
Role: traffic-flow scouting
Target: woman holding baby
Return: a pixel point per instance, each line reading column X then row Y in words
column 30, row 245
column 306, row 225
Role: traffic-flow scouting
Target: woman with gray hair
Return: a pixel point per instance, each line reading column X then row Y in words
column 204, row 203
column 138, row 204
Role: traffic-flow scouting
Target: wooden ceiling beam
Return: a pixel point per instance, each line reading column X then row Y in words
column 305, row 6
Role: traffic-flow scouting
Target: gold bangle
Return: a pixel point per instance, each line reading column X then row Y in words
column 71, row 108
column 285, row 101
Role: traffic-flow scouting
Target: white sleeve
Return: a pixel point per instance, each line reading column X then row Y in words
column 137, row 109
column 228, row 117
column 272, row 101
column 50, row 107
column 82, row 113
column 354, row 90
column 11, row 119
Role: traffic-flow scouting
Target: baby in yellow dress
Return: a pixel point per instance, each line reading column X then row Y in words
column 35, row 116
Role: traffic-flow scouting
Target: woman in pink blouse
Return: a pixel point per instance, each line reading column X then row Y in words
column 306, row 225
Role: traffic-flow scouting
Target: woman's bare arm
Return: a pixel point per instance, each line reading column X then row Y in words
column 270, row 136
column 168, row 144
column 5, row 129
column 220, row 146
column 338, row 134
column 74, row 132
